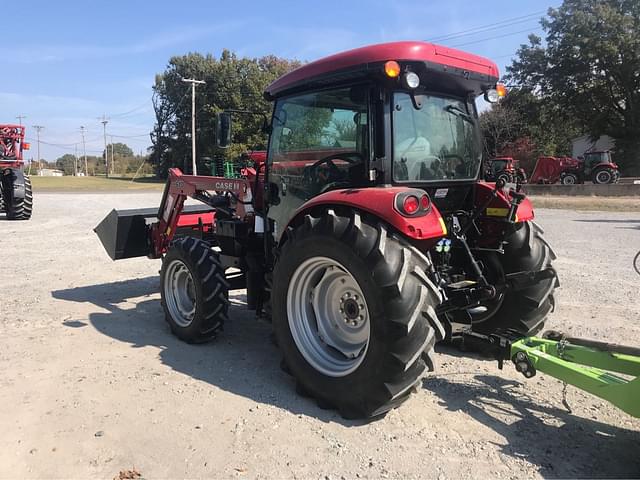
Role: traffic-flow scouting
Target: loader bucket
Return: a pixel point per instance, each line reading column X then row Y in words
column 125, row 233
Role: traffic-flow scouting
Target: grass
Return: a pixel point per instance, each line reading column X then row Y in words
column 603, row 204
column 93, row 184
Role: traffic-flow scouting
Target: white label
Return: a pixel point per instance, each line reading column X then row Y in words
column 258, row 226
column 441, row 193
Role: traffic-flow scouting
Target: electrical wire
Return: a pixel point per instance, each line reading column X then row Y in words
column 496, row 37
column 487, row 27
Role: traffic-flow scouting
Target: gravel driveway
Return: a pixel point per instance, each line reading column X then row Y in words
column 93, row 382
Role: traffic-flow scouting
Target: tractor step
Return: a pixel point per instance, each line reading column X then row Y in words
column 125, row 233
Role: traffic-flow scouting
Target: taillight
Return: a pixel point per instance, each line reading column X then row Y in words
column 410, row 205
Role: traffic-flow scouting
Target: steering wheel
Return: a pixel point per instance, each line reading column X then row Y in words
column 453, row 155
column 311, row 172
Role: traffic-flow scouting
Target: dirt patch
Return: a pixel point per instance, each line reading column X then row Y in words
column 84, row 348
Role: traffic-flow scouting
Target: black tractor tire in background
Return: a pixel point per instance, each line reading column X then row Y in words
column 400, row 302
column 193, row 260
column 505, row 177
column 568, row 179
column 604, row 176
column 522, row 311
column 16, row 208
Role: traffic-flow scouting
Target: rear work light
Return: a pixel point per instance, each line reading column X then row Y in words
column 412, row 203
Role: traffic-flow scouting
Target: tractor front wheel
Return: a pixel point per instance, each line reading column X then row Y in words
column 194, row 290
column 354, row 313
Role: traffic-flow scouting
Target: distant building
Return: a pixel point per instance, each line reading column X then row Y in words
column 585, row 144
column 50, row 172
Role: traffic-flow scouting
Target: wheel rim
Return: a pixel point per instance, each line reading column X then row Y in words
column 569, row 180
column 328, row 316
column 603, row 177
column 179, row 293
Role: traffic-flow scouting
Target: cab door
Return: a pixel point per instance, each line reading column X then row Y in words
column 319, row 142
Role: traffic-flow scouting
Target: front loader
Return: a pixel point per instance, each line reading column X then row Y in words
column 16, row 196
column 363, row 234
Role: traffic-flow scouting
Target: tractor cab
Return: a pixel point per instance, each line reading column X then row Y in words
column 398, row 114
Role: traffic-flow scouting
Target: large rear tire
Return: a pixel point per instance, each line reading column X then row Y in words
column 17, row 208
column 194, row 290
column 354, row 313
column 522, row 311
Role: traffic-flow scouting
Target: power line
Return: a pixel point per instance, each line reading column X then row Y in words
column 124, row 114
column 495, row 37
column 489, row 26
column 20, row 118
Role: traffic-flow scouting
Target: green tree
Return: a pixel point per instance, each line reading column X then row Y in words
column 588, row 69
column 231, row 83
column 67, row 164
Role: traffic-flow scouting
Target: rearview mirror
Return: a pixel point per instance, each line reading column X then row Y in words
column 223, row 129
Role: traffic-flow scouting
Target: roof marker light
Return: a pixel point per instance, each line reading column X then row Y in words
column 392, row 69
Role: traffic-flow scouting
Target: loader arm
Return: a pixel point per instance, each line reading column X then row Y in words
column 176, row 191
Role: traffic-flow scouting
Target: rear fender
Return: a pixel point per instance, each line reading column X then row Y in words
column 379, row 201
column 500, row 205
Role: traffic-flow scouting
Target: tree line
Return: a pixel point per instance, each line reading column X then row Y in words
column 122, row 162
column 580, row 79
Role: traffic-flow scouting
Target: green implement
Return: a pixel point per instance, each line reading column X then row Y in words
column 608, row 371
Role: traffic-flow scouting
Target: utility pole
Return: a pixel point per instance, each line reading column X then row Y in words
column 20, row 118
column 104, row 122
column 84, row 151
column 75, row 160
column 113, row 164
column 193, row 83
column 38, row 128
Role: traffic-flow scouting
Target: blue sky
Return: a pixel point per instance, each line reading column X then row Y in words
column 70, row 62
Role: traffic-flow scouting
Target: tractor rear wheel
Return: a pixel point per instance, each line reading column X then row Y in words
column 16, row 208
column 523, row 311
column 603, row 176
column 354, row 313
column 194, row 290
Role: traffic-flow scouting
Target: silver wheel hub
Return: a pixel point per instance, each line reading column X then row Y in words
column 179, row 293
column 328, row 316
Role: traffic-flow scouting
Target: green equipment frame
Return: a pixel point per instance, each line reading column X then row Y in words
column 608, row 371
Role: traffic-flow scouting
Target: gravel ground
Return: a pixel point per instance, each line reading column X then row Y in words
column 93, row 382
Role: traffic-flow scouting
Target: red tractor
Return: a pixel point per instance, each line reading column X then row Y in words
column 364, row 233
column 596, row 166
column 16, row 197
column 506, row 169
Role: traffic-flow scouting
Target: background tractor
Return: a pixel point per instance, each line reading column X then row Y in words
column 364, row 233
column 16, row 197
column 595, row 166
column 505, row 169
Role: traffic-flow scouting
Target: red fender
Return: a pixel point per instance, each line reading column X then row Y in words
column 379, row 201
column 499, row 207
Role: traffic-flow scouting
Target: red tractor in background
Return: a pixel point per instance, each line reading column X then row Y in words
column 364, row 233
column 596, row 166
column 16, row 197
column 506, row 169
